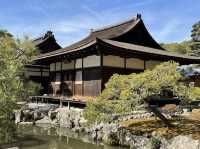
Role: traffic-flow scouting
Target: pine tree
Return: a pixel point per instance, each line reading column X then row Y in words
column 195, row 46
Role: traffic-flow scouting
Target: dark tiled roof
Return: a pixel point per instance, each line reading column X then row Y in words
column 43, row 38
column 46, row 43
column 148, row 50
column 54, row 53
column 104, row 33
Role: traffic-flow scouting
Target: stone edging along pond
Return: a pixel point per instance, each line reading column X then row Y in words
column 112, row 134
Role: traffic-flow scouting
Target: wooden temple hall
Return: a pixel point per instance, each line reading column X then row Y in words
column 83, row 68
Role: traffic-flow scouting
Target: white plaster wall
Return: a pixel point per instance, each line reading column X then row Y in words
column 31, row 73
column 78, row 63
column 32, row 69
column 52, row 67
column 91, row 61
column 68, row 65
column 135, row 63
column 45, row 73
column 58, row 66
column 113, row 61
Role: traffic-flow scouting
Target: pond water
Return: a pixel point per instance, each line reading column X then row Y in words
column 37, row 137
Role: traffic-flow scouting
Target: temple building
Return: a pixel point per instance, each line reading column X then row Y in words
column 83, row 68
column 37, row 72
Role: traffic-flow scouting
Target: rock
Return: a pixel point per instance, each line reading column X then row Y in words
column 13, row 148
column 52, row 114
column 88, row 130
column 37, row 115
column 111, row 134
column 139, row 142
column 111, row 138
column 18, row 116
column 28, row 115
column 195, row 110
column 70, row 118
column 25, row 123
column 45, row 120
column 184, row 142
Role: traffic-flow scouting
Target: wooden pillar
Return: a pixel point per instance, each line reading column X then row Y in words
column 124, row 62
column 49, row 81
column 41, row 72
column 82, row 69
column 61, row 103
column 73, row 79
column 101, row 67
column 68, row 105
column 61, row 77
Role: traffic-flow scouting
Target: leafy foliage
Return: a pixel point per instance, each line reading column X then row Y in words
column 181, row 48
column 190, row 47
column 14, row 54
column 125, row 93
column 196, row 39
column 195, row 93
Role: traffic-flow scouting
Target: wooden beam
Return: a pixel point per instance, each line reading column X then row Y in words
column 125, row 62
column 82, row 69
column 101, row 67
column 73, row 79
column 41, row 71
column 61, row 77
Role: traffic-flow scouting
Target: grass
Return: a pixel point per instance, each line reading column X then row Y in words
column 189, row 125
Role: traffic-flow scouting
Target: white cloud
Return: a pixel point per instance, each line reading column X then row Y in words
column 77, row 25
column 168, row 30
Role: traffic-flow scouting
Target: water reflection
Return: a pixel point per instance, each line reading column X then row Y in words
column 52, row 138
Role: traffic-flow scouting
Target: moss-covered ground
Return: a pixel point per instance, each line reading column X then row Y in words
column 182, row 125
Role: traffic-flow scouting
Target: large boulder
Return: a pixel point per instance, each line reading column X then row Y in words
column 70, row 118
column 111, row 134
column 45, row 120
column 111, row 138
column 37, row 115
column 183, row 142
column 52, row 114
column 138, row 142
column 28, row 115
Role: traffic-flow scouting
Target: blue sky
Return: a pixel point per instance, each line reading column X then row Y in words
column 71, row 20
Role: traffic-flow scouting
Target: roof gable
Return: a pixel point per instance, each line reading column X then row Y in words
column 46, row 43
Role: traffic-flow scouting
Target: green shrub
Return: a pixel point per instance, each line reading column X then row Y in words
column 125, row 93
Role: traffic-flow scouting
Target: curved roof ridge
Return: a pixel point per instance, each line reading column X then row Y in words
column 109, row 33
column 61, row 51
column 114, row 25
column 146, row 49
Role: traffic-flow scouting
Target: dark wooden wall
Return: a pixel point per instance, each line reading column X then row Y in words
column 86, row 82
column 43, row 81
column 92, row 81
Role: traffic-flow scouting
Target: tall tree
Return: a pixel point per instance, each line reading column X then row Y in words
column 14, row 54
column 4, row 33
column 196, row 39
